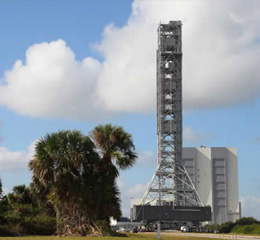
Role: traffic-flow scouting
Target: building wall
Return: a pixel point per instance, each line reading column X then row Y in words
column 214, row 174
column 233, row 206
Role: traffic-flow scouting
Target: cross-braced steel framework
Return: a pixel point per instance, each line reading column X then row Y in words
column 170, row 183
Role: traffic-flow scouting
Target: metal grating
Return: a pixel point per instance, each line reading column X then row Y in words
column 171, row 182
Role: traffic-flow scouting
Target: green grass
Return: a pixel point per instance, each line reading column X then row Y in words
column 137, row 236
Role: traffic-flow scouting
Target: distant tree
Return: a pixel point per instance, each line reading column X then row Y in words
column 226, row 227
column 20, row 195
column 3, row 206
column 116, row 149
column 21, row 213
column 247, row 221
column 1, row 189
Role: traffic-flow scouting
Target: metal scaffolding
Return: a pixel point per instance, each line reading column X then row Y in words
column 170, row 184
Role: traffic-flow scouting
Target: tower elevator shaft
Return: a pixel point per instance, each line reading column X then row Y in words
column 171, row 183
column 171, row 194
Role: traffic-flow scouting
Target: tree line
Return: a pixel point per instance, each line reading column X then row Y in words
column 245, row 225
column 73, row 189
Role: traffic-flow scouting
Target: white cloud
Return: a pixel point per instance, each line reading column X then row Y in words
column 15, row 159
column 51, row 83
column 6, row 191
column 221, row 46
column 137, row 190
column 191, row 136
column 146, row 159
column 250, row 207
column 128, row 192
column 1, row 138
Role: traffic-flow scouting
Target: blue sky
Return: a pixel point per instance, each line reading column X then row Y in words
column 101, row 57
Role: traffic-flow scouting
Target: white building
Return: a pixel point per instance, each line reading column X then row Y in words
column 215, row 176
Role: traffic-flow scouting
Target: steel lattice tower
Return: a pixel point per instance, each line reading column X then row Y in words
column 170, row 183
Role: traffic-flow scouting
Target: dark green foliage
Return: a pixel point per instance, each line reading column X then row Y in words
column 114, row 144
column 226, row 227
column 21, row 214
column 247, row 229
column 3, row 209
column 246, row 225
column 212, row 228
column 1, row 190
column 40, row 225
column 20, row 195
column 6, row 230
column 78, row 176
column 247, row 221
column 104, row 227
column 64, row 168
column 74, row 189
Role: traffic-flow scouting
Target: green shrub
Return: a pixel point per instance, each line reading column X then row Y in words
column 13, row 217
column 212, row 228
column 226, row 227
column 247, row 221
column 104, row 227
column 247, row 229
column 40, row 225
column 5, row 231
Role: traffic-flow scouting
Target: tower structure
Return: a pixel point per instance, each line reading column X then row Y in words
column 170, row 184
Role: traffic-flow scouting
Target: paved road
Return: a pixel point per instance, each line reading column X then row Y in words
column 213, row 236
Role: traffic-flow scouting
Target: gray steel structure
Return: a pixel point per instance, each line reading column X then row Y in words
column 167, row 213
column 170, row 182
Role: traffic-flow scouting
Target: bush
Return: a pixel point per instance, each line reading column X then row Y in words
column 5, row 231
column 40, row 225
column 247, row 229
column 226, row 227
column 247, row 221
column 104, row 227
column 212, row 228
column 12, row 230
column 13, row 217
column 246, row 225
column 18, row 225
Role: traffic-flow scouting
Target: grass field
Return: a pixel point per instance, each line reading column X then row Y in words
column 129, row 237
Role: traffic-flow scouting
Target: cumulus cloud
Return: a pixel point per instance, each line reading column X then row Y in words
column 1, row 137
column 221, row 48
column 146, row 159
column 220, row 63
column 250, row 207
column 12, row 160
column 6, row 191
column 191, row 136
column 128, row 192
column 51, row 83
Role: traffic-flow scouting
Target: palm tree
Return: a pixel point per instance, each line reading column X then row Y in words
column 114, row 145
column 78, row 175
column 62, row 160
column 20, row 195
column 116, row 149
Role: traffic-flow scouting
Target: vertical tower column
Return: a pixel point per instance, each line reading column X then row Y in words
column 169, row 101
column 171, row 183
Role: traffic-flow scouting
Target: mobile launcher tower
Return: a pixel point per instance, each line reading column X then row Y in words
column 170, row 195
